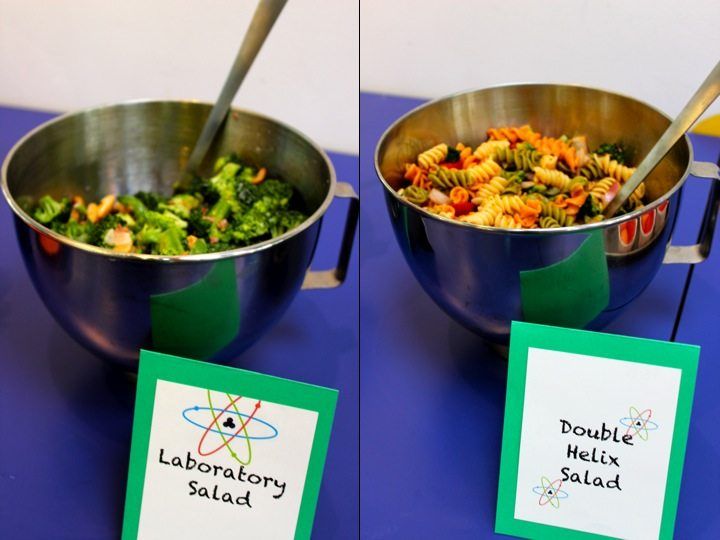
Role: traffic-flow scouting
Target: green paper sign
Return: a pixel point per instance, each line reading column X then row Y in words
column 200, row 319
column 222, row 452
column 595, row 433
column 571, row 292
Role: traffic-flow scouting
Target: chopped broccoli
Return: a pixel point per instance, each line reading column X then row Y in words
column 198, row 224
column 219, row 211
column 590, row 208
column 224, row 183
column 453, row 155
column 150, row 200
column 148, row 236
column 170, row 242
column 96, row 232
column 250, row 226
column 234, row 208
column 224, row 160
column 74, row 229
column 616, row 150
column 136, row 206
column 49, row 209
column 165, row 220
column 200, row 246
column 288, row 220
column 181, row 205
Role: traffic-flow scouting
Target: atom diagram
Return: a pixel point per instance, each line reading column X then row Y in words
column 638, row 423
column 222, row 427
column 550, row 492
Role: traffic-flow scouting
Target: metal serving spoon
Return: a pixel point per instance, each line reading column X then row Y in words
column 262, row 22
column 705, row 95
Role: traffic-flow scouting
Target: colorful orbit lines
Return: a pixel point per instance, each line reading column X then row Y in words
column 550, row 492
column 230, row 425
column 638, row 423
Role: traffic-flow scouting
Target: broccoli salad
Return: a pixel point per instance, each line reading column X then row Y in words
column 236, row 207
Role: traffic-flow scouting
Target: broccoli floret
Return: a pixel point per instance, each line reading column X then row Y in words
column 250, row 226
column 287, row 220
column 198, row 225
column 246, row 175
column 49, row 209
column 150, row 200
column 453, row 155
column 200, row 246
column 148, row 235
column 247, row 194
column 136, row 206
column 165, row 220
column 225, row 185
column 181, row 205
column 590, row 208
column 74, row 229
column 96, row 232
column 616, row 150
column 128, row 220
column 219, row 211
column 224, row 160
column 171, row 242
column 198, row 187
column 281, row 192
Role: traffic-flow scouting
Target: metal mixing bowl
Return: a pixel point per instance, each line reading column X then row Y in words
column 205, row 306
column 579, row 276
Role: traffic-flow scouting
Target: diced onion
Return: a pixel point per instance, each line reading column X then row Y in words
column 438, row 197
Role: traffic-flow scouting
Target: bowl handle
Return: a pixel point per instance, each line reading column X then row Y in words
column 328, row 279
column 699, row 252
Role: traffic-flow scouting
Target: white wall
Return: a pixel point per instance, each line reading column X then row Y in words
column 62, row 55
column 656, row 50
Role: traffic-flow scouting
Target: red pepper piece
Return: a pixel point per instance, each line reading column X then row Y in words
column 462, row 208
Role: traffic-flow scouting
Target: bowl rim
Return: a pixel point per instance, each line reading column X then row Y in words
column 197, row 258
column 606, row 223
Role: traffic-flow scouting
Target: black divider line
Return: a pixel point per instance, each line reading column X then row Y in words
column 681, row 307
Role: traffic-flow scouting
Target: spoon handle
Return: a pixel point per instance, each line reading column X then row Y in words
column 262, row 22
column 702, row 99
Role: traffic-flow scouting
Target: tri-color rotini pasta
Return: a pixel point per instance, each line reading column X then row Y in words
column 520, row 178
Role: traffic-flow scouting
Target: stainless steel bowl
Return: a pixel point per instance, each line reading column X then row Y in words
column 577, row 276
column 204, row 306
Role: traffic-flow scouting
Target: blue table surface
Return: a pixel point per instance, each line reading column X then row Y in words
column 65, row 418
column 432, row 394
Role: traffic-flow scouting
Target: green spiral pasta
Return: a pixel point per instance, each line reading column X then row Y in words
column 578, row 181
column 592, row 170
column 520, row 158
column 549, row 209
column 547, row 222
column 415, row 194
column 443, row 178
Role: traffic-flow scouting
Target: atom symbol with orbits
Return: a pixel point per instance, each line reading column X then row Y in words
column 229, row 426
column 550, row 492
column 638, row 423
